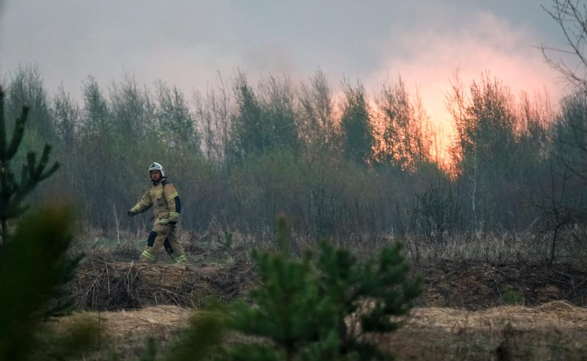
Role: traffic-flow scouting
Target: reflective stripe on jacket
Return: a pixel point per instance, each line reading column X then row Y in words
column 164, row 199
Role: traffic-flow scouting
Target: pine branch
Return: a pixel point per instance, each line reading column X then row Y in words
column 18, row 134
column 13, row 193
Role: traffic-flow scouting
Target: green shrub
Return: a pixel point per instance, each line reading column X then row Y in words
column 511, row 296
column 325, row 307
column 34, row 267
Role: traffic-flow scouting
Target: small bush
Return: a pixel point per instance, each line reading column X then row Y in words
column 325, row 307
column 511, row 296
column 34, row 266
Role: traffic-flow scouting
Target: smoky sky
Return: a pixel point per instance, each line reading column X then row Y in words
column 188, row 43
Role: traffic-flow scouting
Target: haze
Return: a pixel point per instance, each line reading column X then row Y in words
column 188, row 43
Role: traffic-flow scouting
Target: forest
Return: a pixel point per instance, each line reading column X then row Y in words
column 321, row 219
column 337, row 161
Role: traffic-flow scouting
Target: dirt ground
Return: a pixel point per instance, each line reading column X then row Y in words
column 102, row 285
column 479, row 285
column 468, row 310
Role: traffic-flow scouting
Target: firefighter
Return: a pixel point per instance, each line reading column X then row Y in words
column 164, row 199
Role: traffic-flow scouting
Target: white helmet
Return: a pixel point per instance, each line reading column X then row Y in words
column 157, row 166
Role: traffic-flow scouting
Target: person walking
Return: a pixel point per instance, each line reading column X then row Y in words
column 164, row 199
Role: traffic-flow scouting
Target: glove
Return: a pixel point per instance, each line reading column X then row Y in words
column 131, row 213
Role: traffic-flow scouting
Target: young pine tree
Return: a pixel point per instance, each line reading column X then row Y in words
column 323, row 308
column 12, row 191
column 34, row 265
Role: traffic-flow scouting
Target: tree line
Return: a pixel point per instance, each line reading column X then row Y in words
column 335, row 160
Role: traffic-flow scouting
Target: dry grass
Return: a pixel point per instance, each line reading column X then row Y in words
column 553, row 331
column 472, row 285
column 160, row 320
column 101, row 285
column 126, row 333
column 467, row 272
column 556, row 314
column 218, row 245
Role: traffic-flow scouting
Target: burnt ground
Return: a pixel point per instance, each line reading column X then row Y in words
column 104, row 285
column 478, row 285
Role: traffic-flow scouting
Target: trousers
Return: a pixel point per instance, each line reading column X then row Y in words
column 163, row 236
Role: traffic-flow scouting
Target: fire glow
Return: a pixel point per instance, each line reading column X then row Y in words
column 486, row 45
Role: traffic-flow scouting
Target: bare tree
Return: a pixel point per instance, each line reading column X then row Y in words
column 405, row 138
column 66, row 113
column 212, row 116
column 565, row 207
column 570, row 61
column 317, row 126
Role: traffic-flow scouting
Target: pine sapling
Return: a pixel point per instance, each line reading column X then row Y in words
column 13, row 192
column 323, row 308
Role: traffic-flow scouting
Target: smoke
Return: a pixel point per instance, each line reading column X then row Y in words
column 188, row 43
column 485, row 44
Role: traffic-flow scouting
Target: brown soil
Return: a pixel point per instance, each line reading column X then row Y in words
column 102, row 285
column 478, row 285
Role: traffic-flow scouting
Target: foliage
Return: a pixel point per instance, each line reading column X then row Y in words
column 327, row 307
column 436, row 212
column 570, row 140
column 204, row 337
column 175, row 121
column 34, row 266
column 317, row 122
column 405, row 139
column 82, row 337
column 337, row 165
column 265, row 120
column 491, row 150
column 511, row 296
column 356, row 126
column 34, row 262
column 27, row 90
column 323, row 308
column 13, row 192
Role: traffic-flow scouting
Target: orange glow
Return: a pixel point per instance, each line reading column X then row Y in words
column 486, row 45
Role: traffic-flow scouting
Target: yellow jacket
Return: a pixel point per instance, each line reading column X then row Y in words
column 165, row 201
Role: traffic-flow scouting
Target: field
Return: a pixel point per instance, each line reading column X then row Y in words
column 471, row 308
column 553, row 331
